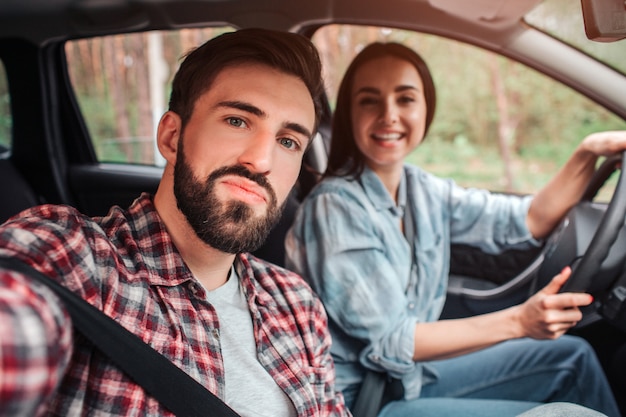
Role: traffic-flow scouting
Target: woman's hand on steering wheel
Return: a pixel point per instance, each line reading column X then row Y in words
column 605, row 143
column 549, row 314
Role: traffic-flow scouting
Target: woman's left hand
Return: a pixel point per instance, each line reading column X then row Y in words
column 605, row 143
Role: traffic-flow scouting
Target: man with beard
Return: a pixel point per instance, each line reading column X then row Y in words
column 173, row 268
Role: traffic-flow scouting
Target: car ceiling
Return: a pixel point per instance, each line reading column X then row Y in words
column 42, row 20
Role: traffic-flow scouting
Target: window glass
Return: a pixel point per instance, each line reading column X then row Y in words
column 492, row 128
column 122, row 85
column 5, row 113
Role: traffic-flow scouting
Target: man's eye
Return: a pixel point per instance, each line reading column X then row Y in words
column 236, row 121
column 289, row 143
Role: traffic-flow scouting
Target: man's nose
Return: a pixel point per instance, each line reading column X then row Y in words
column 258, row 153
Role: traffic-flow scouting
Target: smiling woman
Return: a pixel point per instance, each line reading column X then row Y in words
column 384, row 281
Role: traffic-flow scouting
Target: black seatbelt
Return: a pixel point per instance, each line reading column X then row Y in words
column 159, row 377
column 370, row 398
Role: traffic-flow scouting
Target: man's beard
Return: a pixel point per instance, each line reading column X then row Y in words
column 230, row 226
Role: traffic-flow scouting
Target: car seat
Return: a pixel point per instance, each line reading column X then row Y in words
column 18, row 193
column 273, row 250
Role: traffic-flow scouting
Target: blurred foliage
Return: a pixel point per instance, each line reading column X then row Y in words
column 111, row 79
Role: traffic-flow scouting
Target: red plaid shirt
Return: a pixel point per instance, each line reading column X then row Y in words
column 35, row 345
column 126, row 265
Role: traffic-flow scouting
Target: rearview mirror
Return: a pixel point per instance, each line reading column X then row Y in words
column 605, row 20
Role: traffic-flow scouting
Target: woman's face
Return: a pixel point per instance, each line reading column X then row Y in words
column 388, row 111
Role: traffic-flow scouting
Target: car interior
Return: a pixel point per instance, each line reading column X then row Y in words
column 49, row 122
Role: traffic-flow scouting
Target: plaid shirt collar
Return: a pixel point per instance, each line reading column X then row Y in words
column 171, row 270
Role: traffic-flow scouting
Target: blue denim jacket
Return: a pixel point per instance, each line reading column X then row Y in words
column 347, row 242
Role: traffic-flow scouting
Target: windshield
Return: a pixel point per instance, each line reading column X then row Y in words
column 550, row 16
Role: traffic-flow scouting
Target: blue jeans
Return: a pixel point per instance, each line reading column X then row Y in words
column 512, row 377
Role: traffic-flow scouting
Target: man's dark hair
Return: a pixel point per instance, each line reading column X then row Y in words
column 345, row 158
column 287, row 52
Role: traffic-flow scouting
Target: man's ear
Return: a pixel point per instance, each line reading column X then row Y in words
column 168, row 135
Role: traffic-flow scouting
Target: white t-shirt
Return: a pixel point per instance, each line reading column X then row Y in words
column 250, row 390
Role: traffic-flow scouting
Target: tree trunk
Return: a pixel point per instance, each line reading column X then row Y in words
column 114, row 65
column 506, row 123
column 142, row 87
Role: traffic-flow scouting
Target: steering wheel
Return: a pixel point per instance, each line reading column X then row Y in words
column 570, row 244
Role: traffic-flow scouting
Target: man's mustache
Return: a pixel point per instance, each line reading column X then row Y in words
column 244, row 172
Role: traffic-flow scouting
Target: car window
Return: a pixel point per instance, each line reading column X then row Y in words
column 499, row 125
column 122, row 85
column 5, row 113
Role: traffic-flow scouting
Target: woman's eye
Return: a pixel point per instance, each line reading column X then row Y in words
column 368, row 101
column 406, row 99
column 236, row 122
column 289, row 143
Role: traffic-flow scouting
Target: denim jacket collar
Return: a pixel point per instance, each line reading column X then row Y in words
column 379, row 195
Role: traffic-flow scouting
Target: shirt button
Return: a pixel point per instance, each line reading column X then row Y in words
column 216, row 333
column 411, row 306
column 196, row 290
column 376, row 358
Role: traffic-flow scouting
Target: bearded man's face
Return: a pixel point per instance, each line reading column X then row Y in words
column 230, row 226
